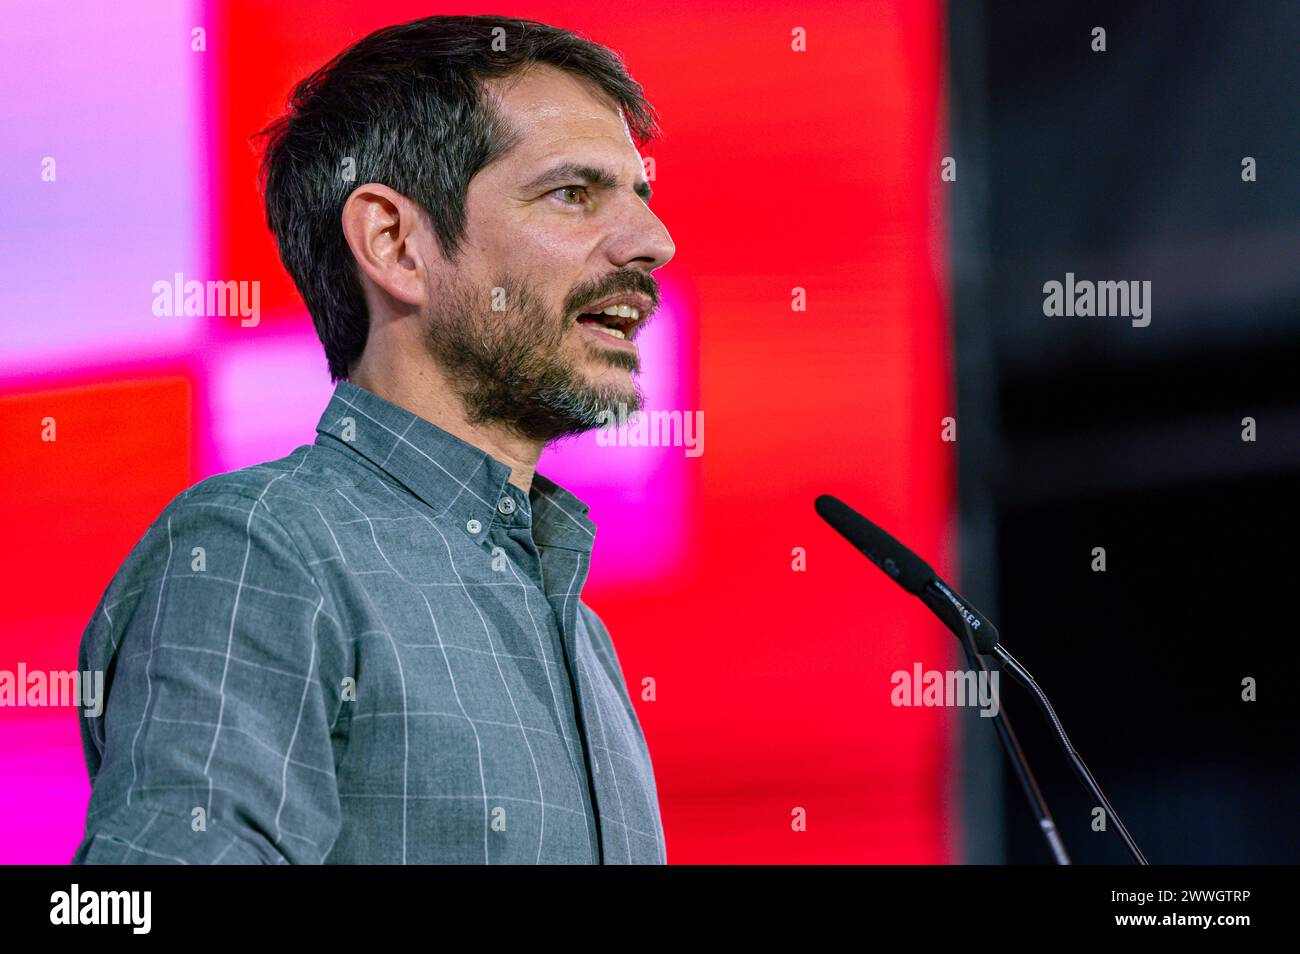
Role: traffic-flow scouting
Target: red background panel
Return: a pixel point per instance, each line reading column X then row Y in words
column 778, row 170
column 80, row 502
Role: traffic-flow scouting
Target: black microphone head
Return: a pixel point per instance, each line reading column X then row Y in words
column 910, row 572
column 902, row 565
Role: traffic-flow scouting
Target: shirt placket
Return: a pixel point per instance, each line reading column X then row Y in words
column 559, row 568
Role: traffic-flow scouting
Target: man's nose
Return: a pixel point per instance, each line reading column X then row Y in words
column 644, row 241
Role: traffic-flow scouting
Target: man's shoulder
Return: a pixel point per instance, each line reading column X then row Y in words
column 289, row 493
column 601, row 640
column 269, row 505
column 231, row 528
column 306, row 471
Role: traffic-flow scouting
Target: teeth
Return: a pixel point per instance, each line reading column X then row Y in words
column 621, row 311
column 614, row 332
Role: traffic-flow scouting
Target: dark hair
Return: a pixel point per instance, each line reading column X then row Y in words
column 406, row 105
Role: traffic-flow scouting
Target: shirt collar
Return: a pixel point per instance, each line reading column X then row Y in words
column 455, row 478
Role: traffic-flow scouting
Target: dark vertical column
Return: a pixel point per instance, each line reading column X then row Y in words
column 979, row 772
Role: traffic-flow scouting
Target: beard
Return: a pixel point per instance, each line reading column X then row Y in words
column 509, row 367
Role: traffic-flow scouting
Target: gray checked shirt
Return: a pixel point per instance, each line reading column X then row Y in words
column 373, row 650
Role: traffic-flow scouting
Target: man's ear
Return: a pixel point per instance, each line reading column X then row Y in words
column 388, row 237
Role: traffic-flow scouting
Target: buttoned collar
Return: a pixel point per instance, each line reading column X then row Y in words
column 458, row 480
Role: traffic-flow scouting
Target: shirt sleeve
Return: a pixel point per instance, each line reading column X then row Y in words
column 222, row 684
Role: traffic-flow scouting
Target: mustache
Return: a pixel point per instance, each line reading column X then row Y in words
column 614, row 284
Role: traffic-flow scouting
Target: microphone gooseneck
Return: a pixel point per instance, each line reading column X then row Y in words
column 1022, row 676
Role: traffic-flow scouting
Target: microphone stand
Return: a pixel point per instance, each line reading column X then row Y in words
column 1023, row 676
column 1017, row 757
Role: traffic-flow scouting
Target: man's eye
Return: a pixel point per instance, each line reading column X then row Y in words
column 565, row 190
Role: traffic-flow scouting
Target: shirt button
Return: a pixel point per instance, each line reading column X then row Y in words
column 474, row 526
column 506, row 505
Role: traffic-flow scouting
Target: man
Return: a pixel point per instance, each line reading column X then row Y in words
column 375, row 649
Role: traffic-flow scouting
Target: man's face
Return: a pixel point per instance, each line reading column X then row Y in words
column 543, row 245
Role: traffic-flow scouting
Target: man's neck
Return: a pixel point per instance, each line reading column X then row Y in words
column 429, row 395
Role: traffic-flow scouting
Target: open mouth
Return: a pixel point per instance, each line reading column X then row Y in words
column 614, row 321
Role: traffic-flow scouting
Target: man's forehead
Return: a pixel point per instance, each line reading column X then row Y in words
column 548, row 106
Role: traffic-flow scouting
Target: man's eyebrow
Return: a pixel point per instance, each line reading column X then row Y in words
column 569, row 171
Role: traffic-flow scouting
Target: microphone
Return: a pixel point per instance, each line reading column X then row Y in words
column 977, row 635
column 909, row 571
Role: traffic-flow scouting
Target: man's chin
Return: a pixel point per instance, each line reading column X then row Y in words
column 569, row 410
column 614, row 405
